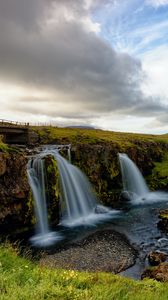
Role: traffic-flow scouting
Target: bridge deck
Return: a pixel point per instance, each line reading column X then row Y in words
column 14, row 132
column 9, row 124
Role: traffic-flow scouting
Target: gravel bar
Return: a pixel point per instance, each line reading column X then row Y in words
column 106, row 251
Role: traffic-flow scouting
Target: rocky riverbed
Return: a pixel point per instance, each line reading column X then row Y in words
column 105, row 250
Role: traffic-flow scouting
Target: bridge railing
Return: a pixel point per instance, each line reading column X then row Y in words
column 9, row 123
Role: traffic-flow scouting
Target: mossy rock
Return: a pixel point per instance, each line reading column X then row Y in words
column 52, row 188
column 163, row 223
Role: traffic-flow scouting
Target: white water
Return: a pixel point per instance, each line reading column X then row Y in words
column 78, row 202
column 133, row 180
column 36, row 176
column 134, row 184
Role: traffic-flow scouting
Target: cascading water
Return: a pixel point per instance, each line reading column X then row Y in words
column 133, row 180
column 134, row 184
column 36, row 176
column 37, row 183
column 78, row 202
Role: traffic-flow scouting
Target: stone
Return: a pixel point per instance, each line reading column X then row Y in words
column 159, row 273
column 155, row 258
column 100, row 209
column 126, row 196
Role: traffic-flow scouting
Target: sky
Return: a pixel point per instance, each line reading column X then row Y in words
column 101, row 63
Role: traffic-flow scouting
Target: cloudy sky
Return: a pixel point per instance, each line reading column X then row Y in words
column 102, row 63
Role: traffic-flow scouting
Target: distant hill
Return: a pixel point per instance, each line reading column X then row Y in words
column 81, row 127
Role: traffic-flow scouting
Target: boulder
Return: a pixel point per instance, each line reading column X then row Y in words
column 159, row 273
column 155, row 258
column 126, row 196
column 100, row 209
column 163, row 223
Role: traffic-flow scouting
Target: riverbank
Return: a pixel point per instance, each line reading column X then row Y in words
column 22, row 279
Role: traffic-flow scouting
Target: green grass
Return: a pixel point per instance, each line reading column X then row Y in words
column 160, row 174
column 74, row 135
column 5, row 148
column 21, row 279
column 161, row 168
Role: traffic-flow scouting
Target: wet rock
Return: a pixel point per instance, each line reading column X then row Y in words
column 125, row 196
column 155, row 258
column 100, row 209
column 159, row 273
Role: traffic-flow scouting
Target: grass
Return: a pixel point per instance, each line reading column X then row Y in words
column 160, row 174
column 8, row 149
column 73, row 135
column 161, row 168
column 3, row 146
column 21, row 279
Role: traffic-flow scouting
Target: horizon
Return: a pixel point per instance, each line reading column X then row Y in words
column 85, row 63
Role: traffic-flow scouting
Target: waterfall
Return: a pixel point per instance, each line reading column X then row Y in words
column 133, row 181
column 134, row 185
column 37, row 182
column 78, row 202
column 36, row 176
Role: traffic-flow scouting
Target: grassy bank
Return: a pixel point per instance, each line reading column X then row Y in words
column 22, row 279
column 77, row 135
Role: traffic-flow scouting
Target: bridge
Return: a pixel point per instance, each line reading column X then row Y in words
column 14, row 132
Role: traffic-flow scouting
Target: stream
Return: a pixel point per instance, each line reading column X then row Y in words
column 82, row 215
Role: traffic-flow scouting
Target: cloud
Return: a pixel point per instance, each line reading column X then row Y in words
column 53, row 48
column 157, row 3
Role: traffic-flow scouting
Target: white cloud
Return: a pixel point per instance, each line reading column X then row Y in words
column 56, row 67
column 157, row 3
column 155, row 64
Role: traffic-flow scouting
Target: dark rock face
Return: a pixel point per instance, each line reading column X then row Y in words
column 159, row 273
column 163, row 223
column 14, row 190
column 2, row 163
column 155, row 258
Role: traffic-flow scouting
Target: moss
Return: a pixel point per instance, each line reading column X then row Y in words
column 164, row 214
column 8, row 149
column 159, row 176
column 161, row 168
column 30, row 215
column 3, row 147
column 53, row 188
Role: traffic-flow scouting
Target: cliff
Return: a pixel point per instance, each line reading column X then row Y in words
column 95, row 152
